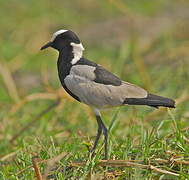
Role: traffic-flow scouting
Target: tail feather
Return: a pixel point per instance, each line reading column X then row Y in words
column 151, row 100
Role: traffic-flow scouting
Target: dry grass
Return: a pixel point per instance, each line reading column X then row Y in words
column 144, row 42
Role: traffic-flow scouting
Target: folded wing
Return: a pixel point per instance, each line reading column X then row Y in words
column 81, row 83
column 99, row 88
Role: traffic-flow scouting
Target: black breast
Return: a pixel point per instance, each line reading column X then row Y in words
column 64, row 70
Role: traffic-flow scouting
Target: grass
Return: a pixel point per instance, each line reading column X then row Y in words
column 39, row 121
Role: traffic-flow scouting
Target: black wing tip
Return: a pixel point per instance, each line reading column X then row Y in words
column 163, row 101
column 168, row 106
column 151, row 100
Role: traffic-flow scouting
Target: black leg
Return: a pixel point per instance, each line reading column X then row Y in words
column 105, row 132
column 99, row 132
column 101, row 128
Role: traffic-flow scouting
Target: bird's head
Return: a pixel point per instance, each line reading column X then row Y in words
column 63, row 38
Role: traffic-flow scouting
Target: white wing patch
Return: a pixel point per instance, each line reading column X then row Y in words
column 77, row 51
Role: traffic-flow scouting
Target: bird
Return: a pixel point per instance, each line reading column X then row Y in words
column 93, row 85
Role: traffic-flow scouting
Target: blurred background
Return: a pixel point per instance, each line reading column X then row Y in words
column 144, row 42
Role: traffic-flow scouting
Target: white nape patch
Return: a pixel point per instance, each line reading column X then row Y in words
column 77, row 51
column 97, row 112
column 57, row 33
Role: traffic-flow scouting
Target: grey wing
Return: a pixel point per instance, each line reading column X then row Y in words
column 100, row 95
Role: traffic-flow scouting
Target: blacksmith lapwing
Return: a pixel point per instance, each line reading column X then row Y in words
column 93, row 85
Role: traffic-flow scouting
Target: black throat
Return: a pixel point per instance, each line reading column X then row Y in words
column 64, row 65
column 64, row 62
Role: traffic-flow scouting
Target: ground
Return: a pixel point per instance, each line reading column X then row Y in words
column 143, row 42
